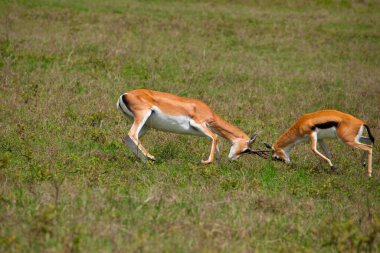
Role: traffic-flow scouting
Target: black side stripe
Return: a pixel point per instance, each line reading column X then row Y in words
column 325, row 125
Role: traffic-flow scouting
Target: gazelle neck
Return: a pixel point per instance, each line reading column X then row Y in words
column 228, row 131
column 287, row 141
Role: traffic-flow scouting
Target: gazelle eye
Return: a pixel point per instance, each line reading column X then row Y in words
column 245, row 151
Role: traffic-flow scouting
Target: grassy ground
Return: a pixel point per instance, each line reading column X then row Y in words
column 69, row 184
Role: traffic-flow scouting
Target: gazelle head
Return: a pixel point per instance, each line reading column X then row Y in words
column 278, row 154
column 241, row 147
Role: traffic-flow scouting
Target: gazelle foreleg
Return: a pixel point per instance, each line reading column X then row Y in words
column 140, row 118
column 206, row 131
column 314, row 142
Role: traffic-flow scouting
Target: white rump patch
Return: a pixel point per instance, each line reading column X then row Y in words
column 122, row 107
column 360, row 134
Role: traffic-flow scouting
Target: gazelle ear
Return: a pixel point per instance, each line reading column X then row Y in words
column 268, row 145
column 252, row 140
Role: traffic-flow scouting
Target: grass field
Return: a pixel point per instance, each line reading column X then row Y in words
column 69, row 184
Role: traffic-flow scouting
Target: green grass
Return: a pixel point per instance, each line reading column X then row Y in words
column 69, row 184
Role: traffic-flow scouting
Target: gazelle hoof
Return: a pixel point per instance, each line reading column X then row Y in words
column 333, row 170
column 152, row 158
column 206, row 162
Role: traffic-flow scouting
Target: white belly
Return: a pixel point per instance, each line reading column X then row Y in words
column 321, row 134
column 174, row 124
column 326, row 133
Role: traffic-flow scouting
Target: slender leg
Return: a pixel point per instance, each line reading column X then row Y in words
column 131, row 144
column 369, row 163
column 143, row 130
column 134, row 148
column 214, row 146
column 367, row 141
column 367, row 148
column 352, row 137
column 314, row 142
column 140, row 118
column 217, row 152
column 362, row 159
column 325, row 148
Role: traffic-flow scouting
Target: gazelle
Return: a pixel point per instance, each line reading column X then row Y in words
column 320, row 125
column 171, row 113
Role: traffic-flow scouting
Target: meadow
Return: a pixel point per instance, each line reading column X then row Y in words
column 68, row 183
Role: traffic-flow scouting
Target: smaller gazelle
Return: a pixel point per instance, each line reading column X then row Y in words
column 171, row 113
column 320, row 125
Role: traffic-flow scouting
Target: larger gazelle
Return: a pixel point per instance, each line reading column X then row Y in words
column 320, row 125
column 171, row 113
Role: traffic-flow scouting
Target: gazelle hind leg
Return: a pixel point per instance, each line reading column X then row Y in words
column 217, row 154
column 370, row 163
column 367, row 148
column 143, row 130
column 314, row 142
column 366, row 141
column 355, row 139
column 325, row 148
column 140, row 118
column 362, row 159
column 214, row 146
column 133, row 147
